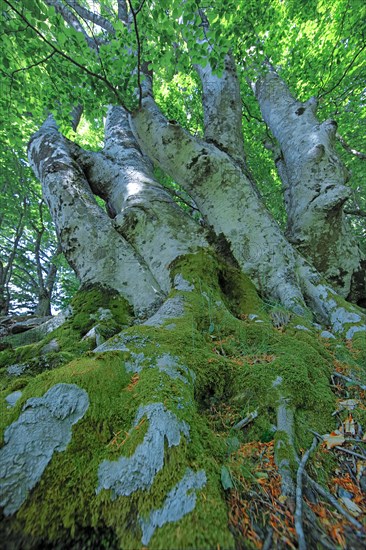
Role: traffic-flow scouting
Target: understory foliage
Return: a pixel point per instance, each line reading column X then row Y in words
column 190, row 394
column 33, row 272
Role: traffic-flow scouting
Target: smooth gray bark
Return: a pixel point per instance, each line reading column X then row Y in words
column 222, row 109
column 231, row 205
column 98, row 254
column 151, row 228
column 315, row 188
column 143, row 212
column 225, row 197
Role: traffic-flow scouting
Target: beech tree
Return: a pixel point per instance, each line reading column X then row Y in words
column 187, row 329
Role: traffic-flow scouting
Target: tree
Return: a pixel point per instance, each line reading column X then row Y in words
column 29, row 249
column 181, row 325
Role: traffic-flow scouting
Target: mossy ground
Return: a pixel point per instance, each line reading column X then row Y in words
column 235, row 358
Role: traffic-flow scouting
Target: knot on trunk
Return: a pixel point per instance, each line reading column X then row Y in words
column 316, row 153
column 129, row 220
column 332, row 198
column 330, row 126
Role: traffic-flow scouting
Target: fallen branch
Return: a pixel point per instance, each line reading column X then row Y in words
column 251, row 416
column 358, row 455
column 285, row 424
column 267, row 545
column 316, row 533
column 298, row 510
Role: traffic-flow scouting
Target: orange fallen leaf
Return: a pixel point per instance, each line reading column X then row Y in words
column 333, row 439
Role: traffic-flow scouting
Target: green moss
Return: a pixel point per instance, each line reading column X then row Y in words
column 64, row 501
column 284, row 450
column 87, row 307
column 219, row 279
column 359, row 347
column 235, row 362
column 322, row 465
column 94, row 306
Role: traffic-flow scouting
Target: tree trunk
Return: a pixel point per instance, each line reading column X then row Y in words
column 98, row 254
column 6, row 266
column 232, row 207
column 314, row 181
column 44, row 300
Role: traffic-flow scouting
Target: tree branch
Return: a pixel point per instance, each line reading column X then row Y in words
column 298, row 511
column 355, row 212
column 67, row 57
column 122, row 11
column 153, row 128
column 33, row 64
column 91, row 16
column 349, row 379
column 333, row 501
column 349, row 149
column 344, row 74
column 134, row 15
column 70, row 18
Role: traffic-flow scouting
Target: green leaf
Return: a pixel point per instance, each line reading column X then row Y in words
column 233, row 444
column 226, row 480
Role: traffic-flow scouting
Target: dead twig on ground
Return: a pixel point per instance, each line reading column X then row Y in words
column 299, row 498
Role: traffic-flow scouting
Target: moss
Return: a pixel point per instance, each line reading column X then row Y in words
column 91, row 306
column 87, row 307
column 24, row 338
column 235, row 362
column 19, row 355
column 284, row 450
column 322, row 465
column 219, row 279
column 359, row 349
column 64, row 502
column 241, row 295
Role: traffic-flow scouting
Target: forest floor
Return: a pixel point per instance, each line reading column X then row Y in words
column 253, row 483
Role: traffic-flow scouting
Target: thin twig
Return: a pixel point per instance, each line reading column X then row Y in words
column 355, row 212
column 95, row 18
column 317, row 435
column 134, row 15
column 249, row 418
column 333, row 501
column 34, row 64
column 298, row 511
column 67, row 57
column 341, row 448
column 344, row 74
column 349, row 379
column 363, row 457
column 349, row 149
column 140, row 7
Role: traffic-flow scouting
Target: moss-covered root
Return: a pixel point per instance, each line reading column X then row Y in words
column 285, row 452
column 140, row 462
